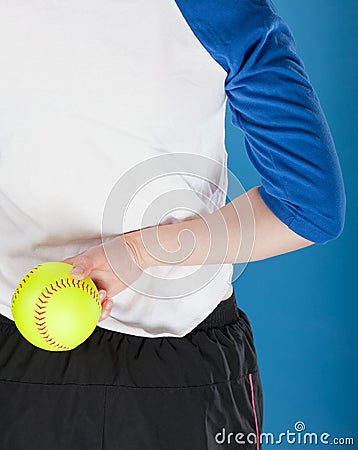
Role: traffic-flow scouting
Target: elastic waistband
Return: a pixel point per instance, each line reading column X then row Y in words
column 226, row 312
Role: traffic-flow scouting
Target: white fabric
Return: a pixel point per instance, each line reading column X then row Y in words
column 89, row 89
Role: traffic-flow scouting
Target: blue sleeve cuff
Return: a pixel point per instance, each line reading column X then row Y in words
column 305, row 227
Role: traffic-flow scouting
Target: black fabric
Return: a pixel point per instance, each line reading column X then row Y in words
column 118, row 391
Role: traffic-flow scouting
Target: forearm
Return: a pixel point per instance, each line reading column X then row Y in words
column 241, row 231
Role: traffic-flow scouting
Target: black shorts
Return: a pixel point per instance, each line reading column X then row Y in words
column 118, row 391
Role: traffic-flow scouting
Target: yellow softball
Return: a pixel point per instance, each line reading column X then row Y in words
column 54, row 311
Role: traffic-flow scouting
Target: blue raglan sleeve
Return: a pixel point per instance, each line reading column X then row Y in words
column 272, row 101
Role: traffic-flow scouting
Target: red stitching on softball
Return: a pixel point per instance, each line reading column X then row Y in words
column 39, row 318
column 41, row 326
column 23, row 281
column 43, row 305
column 42, row 301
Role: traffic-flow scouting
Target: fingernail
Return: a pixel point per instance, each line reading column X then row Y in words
column 108, row 306
column 102, row 295
column 77, row 270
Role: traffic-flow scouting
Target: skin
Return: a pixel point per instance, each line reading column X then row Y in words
column 244, row 230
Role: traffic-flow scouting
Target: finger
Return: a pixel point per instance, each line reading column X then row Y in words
column 69, row 260
column 81, row 267
column 106, row 309
column 102, row 295
column 107, row 282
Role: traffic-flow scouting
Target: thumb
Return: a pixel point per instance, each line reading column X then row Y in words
column 81, row 267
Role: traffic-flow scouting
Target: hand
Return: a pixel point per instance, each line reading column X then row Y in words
column 112, row 266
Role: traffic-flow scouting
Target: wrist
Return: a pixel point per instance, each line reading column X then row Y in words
column 170, row 244
column 137, row 248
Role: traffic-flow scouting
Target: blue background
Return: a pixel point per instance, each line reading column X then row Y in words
column 303, row 305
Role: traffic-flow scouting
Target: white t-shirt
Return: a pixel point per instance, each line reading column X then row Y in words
column 111, row 120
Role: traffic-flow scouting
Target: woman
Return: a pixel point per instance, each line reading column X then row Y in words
column 113, row 160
